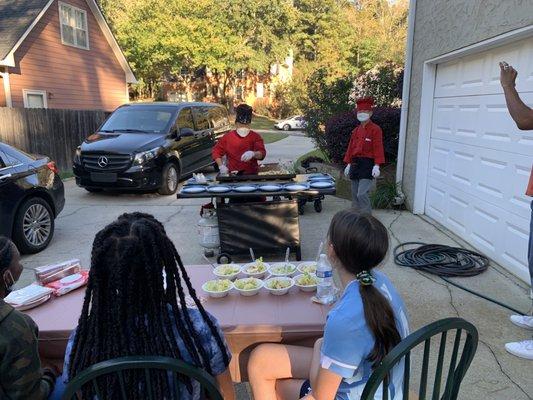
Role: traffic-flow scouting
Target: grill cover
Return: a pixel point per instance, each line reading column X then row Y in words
column 266, row 227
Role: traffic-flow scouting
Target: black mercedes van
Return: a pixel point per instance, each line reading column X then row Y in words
column 149, row 146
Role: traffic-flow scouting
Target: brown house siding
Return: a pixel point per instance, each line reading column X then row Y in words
column 73, row 78
column 2, row 94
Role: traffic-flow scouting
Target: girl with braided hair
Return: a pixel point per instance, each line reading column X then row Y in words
column 135, row 304
column 21, row 375
column 367, row 322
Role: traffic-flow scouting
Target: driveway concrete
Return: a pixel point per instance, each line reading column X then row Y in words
column 494, row 374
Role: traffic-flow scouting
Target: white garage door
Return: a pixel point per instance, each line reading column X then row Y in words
column 479, row 162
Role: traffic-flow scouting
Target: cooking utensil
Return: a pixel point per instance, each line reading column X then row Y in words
column 287, row 254
column 252, row 254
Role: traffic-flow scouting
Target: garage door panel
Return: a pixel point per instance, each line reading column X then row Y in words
column 482, row 121
column 479, row 74
column 499, row 234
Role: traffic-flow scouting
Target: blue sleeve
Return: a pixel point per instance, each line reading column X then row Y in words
column 218, row 366
column 61, row 382
column 343, row 349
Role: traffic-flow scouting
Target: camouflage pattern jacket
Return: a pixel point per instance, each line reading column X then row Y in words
column 21, row 377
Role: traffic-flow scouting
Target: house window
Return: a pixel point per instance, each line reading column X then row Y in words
column 34, row 98
column 73, row 26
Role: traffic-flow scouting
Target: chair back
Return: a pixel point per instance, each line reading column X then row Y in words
column 452, row 377
column 147, row 364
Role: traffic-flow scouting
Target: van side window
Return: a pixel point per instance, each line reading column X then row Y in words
column 218, row 117
column 185, row 119
column 201, row 118
column 2, row 156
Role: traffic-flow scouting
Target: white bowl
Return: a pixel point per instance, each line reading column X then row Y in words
column 251, row 292
column 280, row 264
column 301, row 267
column 217, row 295
column 231, row 277
column 257, row 275
column 304, row 288
column 279, row 292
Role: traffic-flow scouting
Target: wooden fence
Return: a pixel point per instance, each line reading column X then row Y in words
column 51, row 132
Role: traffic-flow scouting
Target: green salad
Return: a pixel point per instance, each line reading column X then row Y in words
column 308, row 269
column 307, row 280
column 247, row 284
column 278, row 283
column 284, row 269
column 219, row 285
column 257, row 267
column 227, row 270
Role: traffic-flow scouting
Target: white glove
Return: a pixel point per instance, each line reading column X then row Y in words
column 223, row 170
column 347, row 171
column 247, row 156
column 375, row 171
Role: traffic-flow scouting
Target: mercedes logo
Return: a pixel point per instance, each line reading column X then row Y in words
column 103, row 161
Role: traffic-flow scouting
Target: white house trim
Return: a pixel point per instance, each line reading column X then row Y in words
column 26, row 92
column 7, row 88
column 426, row 104
column 9, row 60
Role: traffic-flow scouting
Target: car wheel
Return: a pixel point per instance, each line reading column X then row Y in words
column 34, row 226
column 286, row 127
column 170, row 178
column 94, row 190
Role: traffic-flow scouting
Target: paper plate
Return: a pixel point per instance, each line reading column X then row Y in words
column 219, row 189
column 296, row 187
column 35, row 303
column 320, row 178
column 245, row 188
column 270, row 188
column 322, row 184
column 193, row 189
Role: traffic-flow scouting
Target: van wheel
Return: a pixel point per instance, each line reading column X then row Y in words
column 34, row 226
column 170, row 178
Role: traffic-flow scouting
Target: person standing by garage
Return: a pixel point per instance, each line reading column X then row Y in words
column 523, row 117
column 364, row 156
column 242, row 146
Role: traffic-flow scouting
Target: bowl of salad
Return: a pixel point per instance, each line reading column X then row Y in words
column 279, row 285
column 248, row 286
column 308, row 267
column 227, row 271
column 218, row 287
column 282, row 269
column 256, row 269
column 306, row 282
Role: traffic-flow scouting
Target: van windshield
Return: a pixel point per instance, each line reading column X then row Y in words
column 139, row 120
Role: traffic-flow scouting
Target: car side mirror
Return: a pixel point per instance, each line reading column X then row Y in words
column 186, row 132
column 174, row 135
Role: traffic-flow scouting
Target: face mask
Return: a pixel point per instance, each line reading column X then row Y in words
column 9, row 281
column 243, row 132
column 363, row 116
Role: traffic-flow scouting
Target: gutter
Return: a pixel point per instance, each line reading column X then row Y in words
column 405, row 102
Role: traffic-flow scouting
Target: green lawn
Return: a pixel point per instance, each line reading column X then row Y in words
column 272, row 137
column 66, row 174
column 259, row 122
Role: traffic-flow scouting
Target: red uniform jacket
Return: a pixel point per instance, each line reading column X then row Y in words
column 233, row 146
column 366, row 141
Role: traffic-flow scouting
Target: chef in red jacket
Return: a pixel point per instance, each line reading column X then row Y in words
column 364, row 155
column 242, row 146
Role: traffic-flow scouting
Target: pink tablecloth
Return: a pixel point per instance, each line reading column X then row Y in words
column 246, row 321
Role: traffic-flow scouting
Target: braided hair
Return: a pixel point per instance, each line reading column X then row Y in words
column 135, row 275
column 6, row 253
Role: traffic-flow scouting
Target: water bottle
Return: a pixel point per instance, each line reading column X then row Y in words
column 325, row 292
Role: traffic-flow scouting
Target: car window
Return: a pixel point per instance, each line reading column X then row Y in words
column 135, row 119
column 218, row 117
column 201, row 117
column 14, row 156
column 2, row 157
column 185, row 119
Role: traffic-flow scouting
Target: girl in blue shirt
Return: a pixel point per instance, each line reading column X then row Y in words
column 365, row 324
column 135, row 305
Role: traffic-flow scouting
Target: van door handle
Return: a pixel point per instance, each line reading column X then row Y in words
column 2, row 177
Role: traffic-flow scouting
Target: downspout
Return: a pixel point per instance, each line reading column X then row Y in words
column 405, row 101
column 7, row 87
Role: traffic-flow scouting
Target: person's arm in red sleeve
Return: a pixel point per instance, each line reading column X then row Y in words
column 219, row 151
column 348, row 154
column 259, row 148
column 379, row 152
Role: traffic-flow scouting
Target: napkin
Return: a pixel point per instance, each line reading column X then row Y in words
column 27, row 295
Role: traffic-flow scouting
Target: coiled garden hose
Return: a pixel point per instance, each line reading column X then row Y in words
column 445, row 262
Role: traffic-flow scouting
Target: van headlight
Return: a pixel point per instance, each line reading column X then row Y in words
column 145, row 156
column 77, row 156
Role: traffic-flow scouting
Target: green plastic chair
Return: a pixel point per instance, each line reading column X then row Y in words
column 456, row 371
column 119, row 365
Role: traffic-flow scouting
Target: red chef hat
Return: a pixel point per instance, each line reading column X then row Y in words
column 365, row 104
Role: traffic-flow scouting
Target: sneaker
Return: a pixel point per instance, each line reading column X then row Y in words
column 523, row 321
column 521, row 349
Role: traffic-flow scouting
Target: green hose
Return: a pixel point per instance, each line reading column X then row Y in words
column 445, row 262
